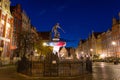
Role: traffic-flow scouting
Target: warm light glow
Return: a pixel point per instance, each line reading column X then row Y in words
column 82, row 52
column 2, row 21
column 63, row 52
column 87, row 55
column 45, row 44
column 113, row 43
column 36, row 50
column 102, row 56
column 7, row 25
column 91, row 49
column 5, row 39
column 36, row 54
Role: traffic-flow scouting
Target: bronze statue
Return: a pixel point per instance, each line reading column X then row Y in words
column 55, row 30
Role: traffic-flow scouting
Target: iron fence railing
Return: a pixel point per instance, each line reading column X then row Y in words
column 43, row 68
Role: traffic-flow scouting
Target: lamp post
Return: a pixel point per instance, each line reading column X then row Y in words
column 114, row 45
column 91, row 53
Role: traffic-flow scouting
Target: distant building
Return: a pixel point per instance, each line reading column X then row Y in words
column 67, row 53
column 63, row 53
column 100, row 44
column 46, row 36
column 89, row 47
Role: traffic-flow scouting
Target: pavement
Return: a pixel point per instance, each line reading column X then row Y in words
column 9, row 73
column 101, row 71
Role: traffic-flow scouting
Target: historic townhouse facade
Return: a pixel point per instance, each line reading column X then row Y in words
column 16, row 12
column 26, row 23
column 101, row 44
column 106, row 43
column 25, row 35
column 116, row 37
column 110, row 36
column 90, row 46
column 33, row 38
column 6, row 28
column 17, row 35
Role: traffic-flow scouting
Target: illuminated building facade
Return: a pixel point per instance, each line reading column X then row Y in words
column 26, row 23
column 108, row 37
column 17, row 27
column 25, row 35
column 101, row 44
column 89, row 47
column 22, row 29
column 6, row 28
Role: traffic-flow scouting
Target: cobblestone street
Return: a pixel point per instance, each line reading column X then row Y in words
column 101, row 71
column 9, row 73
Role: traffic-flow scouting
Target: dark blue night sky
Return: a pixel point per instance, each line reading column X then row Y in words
column 78, row 18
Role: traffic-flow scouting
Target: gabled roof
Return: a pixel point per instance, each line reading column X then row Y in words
column 97, row 33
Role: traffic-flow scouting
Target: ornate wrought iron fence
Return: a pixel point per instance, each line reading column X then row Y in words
column 56, row 69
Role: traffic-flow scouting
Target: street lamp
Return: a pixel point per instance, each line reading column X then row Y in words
column 114, row 44
column 91, row 49
column 82, row 52
column 91, row 52
column 45, row 44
